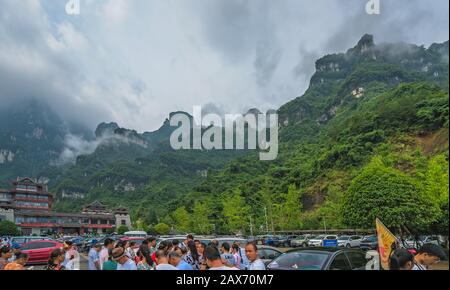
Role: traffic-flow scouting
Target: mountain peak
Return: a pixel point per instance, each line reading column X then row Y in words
column 106, row 128
column 365, row 43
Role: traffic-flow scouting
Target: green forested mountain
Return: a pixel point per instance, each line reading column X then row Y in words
column 368, row 138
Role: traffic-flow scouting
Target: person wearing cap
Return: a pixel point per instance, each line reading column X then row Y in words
column 428, row 255
column 123, row 262
column 93, row 257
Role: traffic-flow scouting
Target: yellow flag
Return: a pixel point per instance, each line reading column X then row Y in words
column 385, row 241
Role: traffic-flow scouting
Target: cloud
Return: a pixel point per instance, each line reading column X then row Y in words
column 134, row 62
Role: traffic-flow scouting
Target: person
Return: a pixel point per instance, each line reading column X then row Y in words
column 110, row 264
column 237, row 258
column 186, row 241
column 214, row 243
column 162, row 263
column 163, row 246
column 244, row 262
column 226, row 256
column 201, row 256
column 152, row 245
column 19, row 263
column 175, row 243
column 104, row 254
column 192, row 256
column 5, row 254
column 57, row 257
column 401, row 259
column 70, row 253
column 93, row 258
column 428, row 255
column 214, row 261
column 124, row 263
column 176, row 261
column 144, row 257
column 251, row 251
column 129, row 251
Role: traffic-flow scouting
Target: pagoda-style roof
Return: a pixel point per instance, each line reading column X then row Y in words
column 96, row 207
column 121, row 210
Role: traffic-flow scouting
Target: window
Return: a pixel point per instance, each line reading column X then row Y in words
column 123, row 223
column 340, row 262
column 268, row 254
column 33, row 246
column 358, row 260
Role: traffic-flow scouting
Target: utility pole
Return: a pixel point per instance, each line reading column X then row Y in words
column 267, row 221
column 251, row 226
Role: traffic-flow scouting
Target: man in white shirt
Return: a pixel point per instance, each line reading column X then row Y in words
column 104, row 253
column 214, row 260
column 251, row 251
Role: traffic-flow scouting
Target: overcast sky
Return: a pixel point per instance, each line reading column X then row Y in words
column 135, row 61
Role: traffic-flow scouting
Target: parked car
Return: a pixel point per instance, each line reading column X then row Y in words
column 300, row 241
column 315, row 241
column 137, row 240
column 349, row 241
column 271, row 241
column 369, row 243
column 319, row 241
column 17, row 242
column 416, row 243
column 320, row 258
column 268, row 254
column 39, row 251
column 231, row 240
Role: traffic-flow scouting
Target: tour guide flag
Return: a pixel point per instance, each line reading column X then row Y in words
column 385, row 241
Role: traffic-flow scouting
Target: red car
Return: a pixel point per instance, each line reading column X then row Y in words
column 39, row 251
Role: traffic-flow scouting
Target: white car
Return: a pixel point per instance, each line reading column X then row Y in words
column 318, row 241
column 349, row 241
column 411, row 242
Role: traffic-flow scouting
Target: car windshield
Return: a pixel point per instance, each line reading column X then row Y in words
column 301, row 237
column 372, row 239
column 344, row 238
column 300, row 261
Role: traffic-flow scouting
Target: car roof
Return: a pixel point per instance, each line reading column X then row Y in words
column 268, row 248
column 43, row 241
column 321, row 249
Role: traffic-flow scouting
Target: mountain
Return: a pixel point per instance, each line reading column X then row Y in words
column 374, row 109
column 385, row 102
column 31, row 137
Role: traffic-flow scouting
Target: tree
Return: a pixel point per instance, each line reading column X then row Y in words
column 291, row 209
column 8, row 228
column 200, row 217
column 386, row 193
column 235, row 212
column 436, row 188
column 162, row 229
column 141, row 226
column 182, row 220
column 122, row 229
